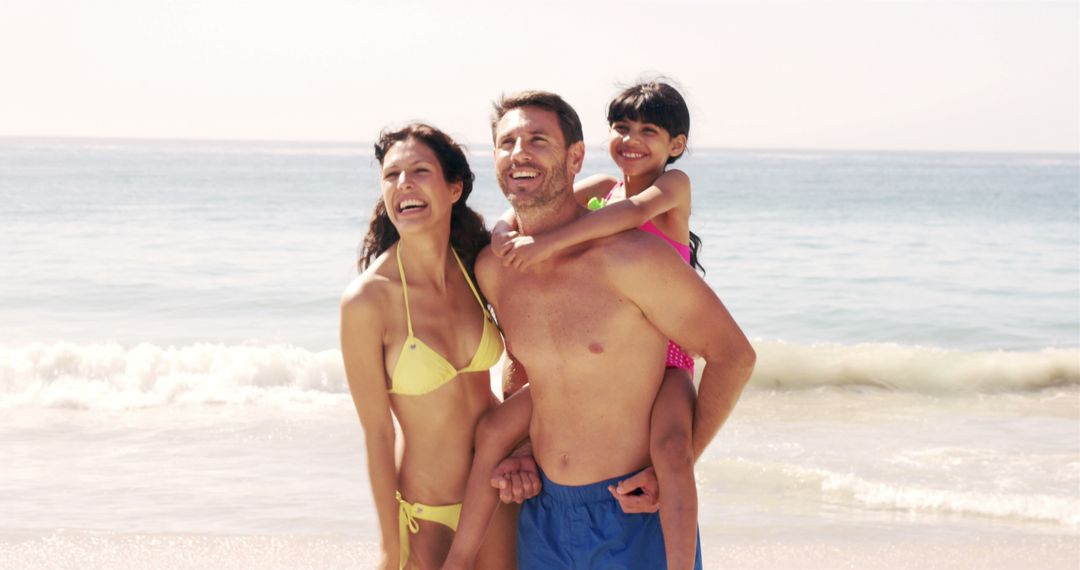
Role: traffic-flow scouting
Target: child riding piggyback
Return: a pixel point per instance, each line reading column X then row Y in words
column 649, row 125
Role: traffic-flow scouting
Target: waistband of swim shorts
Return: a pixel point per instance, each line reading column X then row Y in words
column 578, row 494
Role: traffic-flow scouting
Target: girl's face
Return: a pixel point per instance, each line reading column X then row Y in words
column 414, row 191
column 642, row 148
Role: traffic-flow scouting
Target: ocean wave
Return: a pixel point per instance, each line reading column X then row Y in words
column 783, row 365
column 1064, row 510
column 111, row 376
column 841, row 489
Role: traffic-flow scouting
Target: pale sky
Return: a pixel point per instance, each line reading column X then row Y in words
column 936, row 75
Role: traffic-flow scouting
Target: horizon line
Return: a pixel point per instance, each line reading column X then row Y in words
column 164, row 139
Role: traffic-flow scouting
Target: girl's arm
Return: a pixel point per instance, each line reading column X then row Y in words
column 498, row 431
column 671, row 190
column 596, row 186
column 362, row 351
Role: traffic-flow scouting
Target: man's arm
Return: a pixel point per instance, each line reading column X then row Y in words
column 683, row 307
column 516, row 476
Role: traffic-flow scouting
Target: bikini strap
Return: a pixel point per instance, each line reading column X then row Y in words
column 469, row 281
column 404, row 287
column 611, row 192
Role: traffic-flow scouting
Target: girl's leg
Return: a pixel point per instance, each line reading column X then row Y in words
column 499, row 550
column 670, row 444
column 498, row 431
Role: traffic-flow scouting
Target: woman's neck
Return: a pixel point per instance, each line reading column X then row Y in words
column 424, row 257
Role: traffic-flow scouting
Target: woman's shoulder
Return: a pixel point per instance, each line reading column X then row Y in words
column 371, row 290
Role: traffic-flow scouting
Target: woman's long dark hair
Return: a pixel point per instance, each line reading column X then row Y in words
column 468, row 235
column 661, row 104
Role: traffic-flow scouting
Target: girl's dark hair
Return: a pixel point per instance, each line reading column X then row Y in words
column 468, row 235
column 661, row 104
column 653, row 102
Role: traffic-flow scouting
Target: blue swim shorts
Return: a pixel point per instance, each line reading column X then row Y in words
column 583, row 528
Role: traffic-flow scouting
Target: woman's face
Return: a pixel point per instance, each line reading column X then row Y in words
column 414, row 190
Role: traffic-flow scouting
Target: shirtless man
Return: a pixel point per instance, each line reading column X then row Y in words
column 591, row 327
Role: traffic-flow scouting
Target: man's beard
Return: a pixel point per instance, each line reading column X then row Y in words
column 542, row 198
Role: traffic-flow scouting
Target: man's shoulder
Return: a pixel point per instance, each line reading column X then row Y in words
column 629, row 248
column 488, row 268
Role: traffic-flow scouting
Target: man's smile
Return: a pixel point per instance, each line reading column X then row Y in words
column 523, row 173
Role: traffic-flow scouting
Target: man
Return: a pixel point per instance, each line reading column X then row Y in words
column 591, row 327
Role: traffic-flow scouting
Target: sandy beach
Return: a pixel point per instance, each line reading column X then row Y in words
column 92, row 551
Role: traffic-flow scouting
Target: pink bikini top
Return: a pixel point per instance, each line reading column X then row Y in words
column 649, row 226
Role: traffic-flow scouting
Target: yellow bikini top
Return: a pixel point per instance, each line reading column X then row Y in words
column 419, row 368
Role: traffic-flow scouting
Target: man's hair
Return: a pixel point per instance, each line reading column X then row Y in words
column 569, row 123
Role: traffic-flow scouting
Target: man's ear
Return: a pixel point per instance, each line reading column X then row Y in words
column 575, row 157
column 677, row 146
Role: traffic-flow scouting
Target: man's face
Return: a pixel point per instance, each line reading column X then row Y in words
column 531, row 158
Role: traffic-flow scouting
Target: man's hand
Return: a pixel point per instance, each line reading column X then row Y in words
column 516, row 478
column 638, row 494
column 502, row 242
column 526, row 251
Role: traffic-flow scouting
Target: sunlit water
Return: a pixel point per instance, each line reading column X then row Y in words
column 168, row 358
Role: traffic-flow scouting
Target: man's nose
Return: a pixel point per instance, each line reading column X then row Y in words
column 518, row 152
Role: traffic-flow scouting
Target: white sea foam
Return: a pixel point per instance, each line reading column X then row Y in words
column 1065, row 510
column 912, row 368
column 110, row 376
column 899, row 490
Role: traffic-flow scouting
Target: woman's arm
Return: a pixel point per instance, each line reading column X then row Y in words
column 362, row 350
column 670, row 191
column 498, row 431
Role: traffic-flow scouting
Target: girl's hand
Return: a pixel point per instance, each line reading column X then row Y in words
column 527, row 251
column 502, row 242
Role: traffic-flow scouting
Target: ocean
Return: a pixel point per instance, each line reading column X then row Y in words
column 173, row 394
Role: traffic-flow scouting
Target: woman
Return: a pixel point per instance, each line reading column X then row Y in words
column 417, row 344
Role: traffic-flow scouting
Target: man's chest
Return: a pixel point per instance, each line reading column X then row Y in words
column 566, row 316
